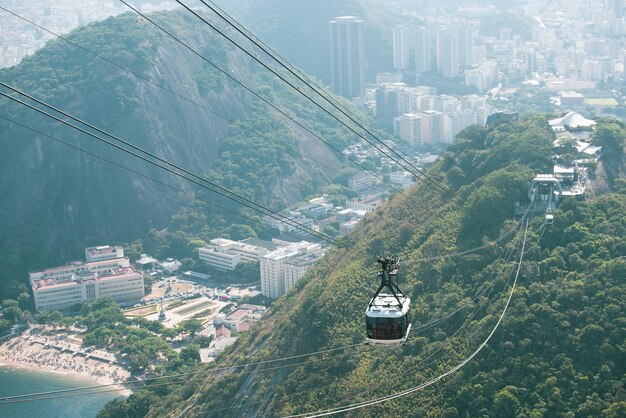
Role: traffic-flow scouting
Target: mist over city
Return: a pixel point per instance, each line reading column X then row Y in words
column 296, row 208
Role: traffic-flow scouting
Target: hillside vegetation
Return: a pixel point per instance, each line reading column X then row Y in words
column 558, row 352
column 60, row 200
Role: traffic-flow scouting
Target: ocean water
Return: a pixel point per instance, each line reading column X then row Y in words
column 15, row 381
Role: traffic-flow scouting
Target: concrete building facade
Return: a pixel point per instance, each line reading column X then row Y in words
column 60, row 288
column 400, row 48
column 346, row 56
column 281, row 268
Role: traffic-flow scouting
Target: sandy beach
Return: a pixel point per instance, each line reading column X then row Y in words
column 42, row 353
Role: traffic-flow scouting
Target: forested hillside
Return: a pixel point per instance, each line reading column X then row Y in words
column 58, row 200
column 558, row 352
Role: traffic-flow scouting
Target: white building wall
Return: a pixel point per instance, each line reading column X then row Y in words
column 400, row 48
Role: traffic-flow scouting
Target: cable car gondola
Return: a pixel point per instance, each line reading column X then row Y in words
column 388, row 316
column 549, row 217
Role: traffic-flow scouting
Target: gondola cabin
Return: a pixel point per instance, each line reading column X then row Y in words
column 388, row 315
column 388, row 320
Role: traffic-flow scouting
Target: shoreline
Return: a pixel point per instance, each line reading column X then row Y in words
column 23, row 352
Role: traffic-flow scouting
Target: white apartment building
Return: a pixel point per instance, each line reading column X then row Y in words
column 400, row 48
column 62, row 287
column 361, row 181
column 456, row 122
column 346, row 227
column 225, row 254
column 422, row 50
column 317, row 207
column 476, row 78
column 296, row 267
column 363, row 206
column 432, row 126
column 483, row 77
column 294, row 222
column 280, row 269
column 402, row 178
column 408, row 127
column 346, row 56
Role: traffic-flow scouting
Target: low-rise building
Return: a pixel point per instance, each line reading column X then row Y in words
column 103, row 252
column 346, row 227
column 293, row 222
column 62, row 287
column 364, row 205
column 225, row 254
column 242, row 318
column 402, row 178
column 146, row 263
column 171, row 265
column 361, row 181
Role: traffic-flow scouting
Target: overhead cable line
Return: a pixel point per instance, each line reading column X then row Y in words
column 474, row 249
column 183, row 97
column 359, row 405
column 425, row 175
column 165, row 165
column 506, row 256
column 321, row 92
column 495, row 275
column 251, row 91
column 57, row 394
column 185, row 375
column 100, row 157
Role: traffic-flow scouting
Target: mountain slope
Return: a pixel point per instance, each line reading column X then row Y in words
column 557, row 352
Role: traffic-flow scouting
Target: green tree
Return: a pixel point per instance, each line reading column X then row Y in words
column 191, row 326
column 5, row 326
column 610, row 135
column 12, row 313
column 190, row 353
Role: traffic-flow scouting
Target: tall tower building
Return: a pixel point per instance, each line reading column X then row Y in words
column 448, row 52
column 466, row 43
column 346, row 56
column 400, row 48
column 422, row 50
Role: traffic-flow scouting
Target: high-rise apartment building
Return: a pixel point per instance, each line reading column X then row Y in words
column 466, row 44
column 400, row 48
column 281, row 268
column 346, row 56
column 408, row 127
column 447, row 49
column 422, row 50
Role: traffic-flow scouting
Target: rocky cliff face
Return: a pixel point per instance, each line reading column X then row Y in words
column 608, row 170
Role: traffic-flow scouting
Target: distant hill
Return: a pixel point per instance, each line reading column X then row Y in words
column 558, row 352
column 58, row 200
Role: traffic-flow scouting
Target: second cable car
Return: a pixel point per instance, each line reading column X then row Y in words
column 388, row 316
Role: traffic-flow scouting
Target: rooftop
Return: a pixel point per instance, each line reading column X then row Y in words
column 573, row 120
column 122, row 261
column 260, row 243
column 80, row 276
column 101, row 250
